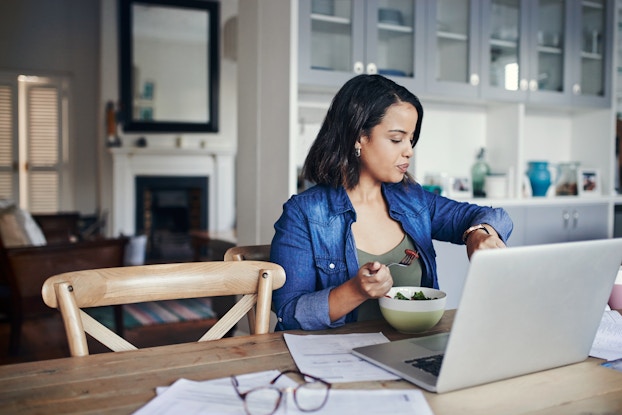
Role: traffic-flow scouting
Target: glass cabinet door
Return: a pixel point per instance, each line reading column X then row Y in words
column 452, row 57
column 504, row 63
column 548, row 72
column 391, row 38
column 593, row 79
column 331, row 41
column 331, row 35
column 505, row 49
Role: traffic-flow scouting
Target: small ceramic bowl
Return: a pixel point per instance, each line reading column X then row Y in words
column 413, row 316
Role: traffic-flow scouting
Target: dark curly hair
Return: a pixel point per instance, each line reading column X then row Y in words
column 356, row 109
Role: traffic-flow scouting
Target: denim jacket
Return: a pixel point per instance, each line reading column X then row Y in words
column 313, row 242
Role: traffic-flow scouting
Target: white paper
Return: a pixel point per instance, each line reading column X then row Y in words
column 608, row 341
column 329, row 357
column 212, row 396
column 219, row 397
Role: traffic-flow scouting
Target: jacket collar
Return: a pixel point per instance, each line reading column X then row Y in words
column 339, row 202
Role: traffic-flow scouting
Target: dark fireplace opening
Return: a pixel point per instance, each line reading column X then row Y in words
column 167, row 209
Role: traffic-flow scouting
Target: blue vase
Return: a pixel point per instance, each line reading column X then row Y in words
column 539, row 177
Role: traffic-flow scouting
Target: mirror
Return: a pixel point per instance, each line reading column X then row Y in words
column 169, row 65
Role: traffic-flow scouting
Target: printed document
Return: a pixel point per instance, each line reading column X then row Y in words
column 329, row 357
column 608, row 341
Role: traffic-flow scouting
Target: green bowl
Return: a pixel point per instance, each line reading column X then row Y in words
column 413, row 316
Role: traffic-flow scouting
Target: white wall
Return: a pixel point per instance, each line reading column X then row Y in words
column 267, row 116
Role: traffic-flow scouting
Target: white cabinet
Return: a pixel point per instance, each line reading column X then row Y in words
column 548, row 51
column 517, row 213
column 551, row 52
column 563, row 223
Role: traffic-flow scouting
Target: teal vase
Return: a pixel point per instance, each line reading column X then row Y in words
column 539, row 177
column 479, row 171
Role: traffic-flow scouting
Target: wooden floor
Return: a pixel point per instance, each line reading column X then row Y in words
column 44, row 338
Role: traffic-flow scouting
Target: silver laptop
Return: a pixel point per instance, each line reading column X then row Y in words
column 522, row 310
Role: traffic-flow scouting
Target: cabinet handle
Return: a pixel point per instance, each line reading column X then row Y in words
column 566, row 218
column 533, row 85
column 371, row 69
column 358, row 68
column 576, row 89
column 575, row 218
column 474, row 79
column 523, row 84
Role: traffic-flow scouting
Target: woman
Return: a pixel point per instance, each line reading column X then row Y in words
column 365, row 211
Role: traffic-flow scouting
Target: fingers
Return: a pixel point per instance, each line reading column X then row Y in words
column 371, row 268
column 487, row 242
column 374, row 280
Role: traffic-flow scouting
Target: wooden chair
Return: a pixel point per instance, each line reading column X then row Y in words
column 72, row 291
column 249, row 253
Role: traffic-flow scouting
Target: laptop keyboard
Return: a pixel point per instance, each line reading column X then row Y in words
column 431, row 364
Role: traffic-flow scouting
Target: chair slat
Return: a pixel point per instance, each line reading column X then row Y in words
column 226, row 322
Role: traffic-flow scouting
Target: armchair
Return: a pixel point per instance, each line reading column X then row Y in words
column 24, row 269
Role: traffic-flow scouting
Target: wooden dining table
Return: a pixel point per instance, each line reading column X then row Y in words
column 120, row 383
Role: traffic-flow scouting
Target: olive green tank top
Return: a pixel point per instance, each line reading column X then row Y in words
column 402, row 276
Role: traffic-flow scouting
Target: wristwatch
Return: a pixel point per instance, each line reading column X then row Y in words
column 473, row 228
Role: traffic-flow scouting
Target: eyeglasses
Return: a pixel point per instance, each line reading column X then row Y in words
column 265, row 400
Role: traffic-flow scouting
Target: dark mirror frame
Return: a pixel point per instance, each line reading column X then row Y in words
column 125, row 68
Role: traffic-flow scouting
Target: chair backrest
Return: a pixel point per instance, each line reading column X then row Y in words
column 248, row 253
column 27, row 268
column 70, row 292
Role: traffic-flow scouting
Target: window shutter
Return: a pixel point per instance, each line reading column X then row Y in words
column 8, row 176
column 34, row 159
column 43, row 147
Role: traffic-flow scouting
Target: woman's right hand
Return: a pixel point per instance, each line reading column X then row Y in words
column 374, row 280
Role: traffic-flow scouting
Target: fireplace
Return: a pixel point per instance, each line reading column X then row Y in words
column 167, row 209
column 214, row 167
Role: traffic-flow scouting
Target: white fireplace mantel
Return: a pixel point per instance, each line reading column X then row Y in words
column 218, row 166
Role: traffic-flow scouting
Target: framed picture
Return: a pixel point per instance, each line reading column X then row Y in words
column 459, row 188
column 589, row 182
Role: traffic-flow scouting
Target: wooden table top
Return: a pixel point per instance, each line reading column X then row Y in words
column 120, row 383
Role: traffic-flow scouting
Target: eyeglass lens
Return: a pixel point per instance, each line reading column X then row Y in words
column 311, row 396
column 262, row 401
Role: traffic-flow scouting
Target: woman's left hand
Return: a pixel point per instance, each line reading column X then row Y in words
column 482, row 240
